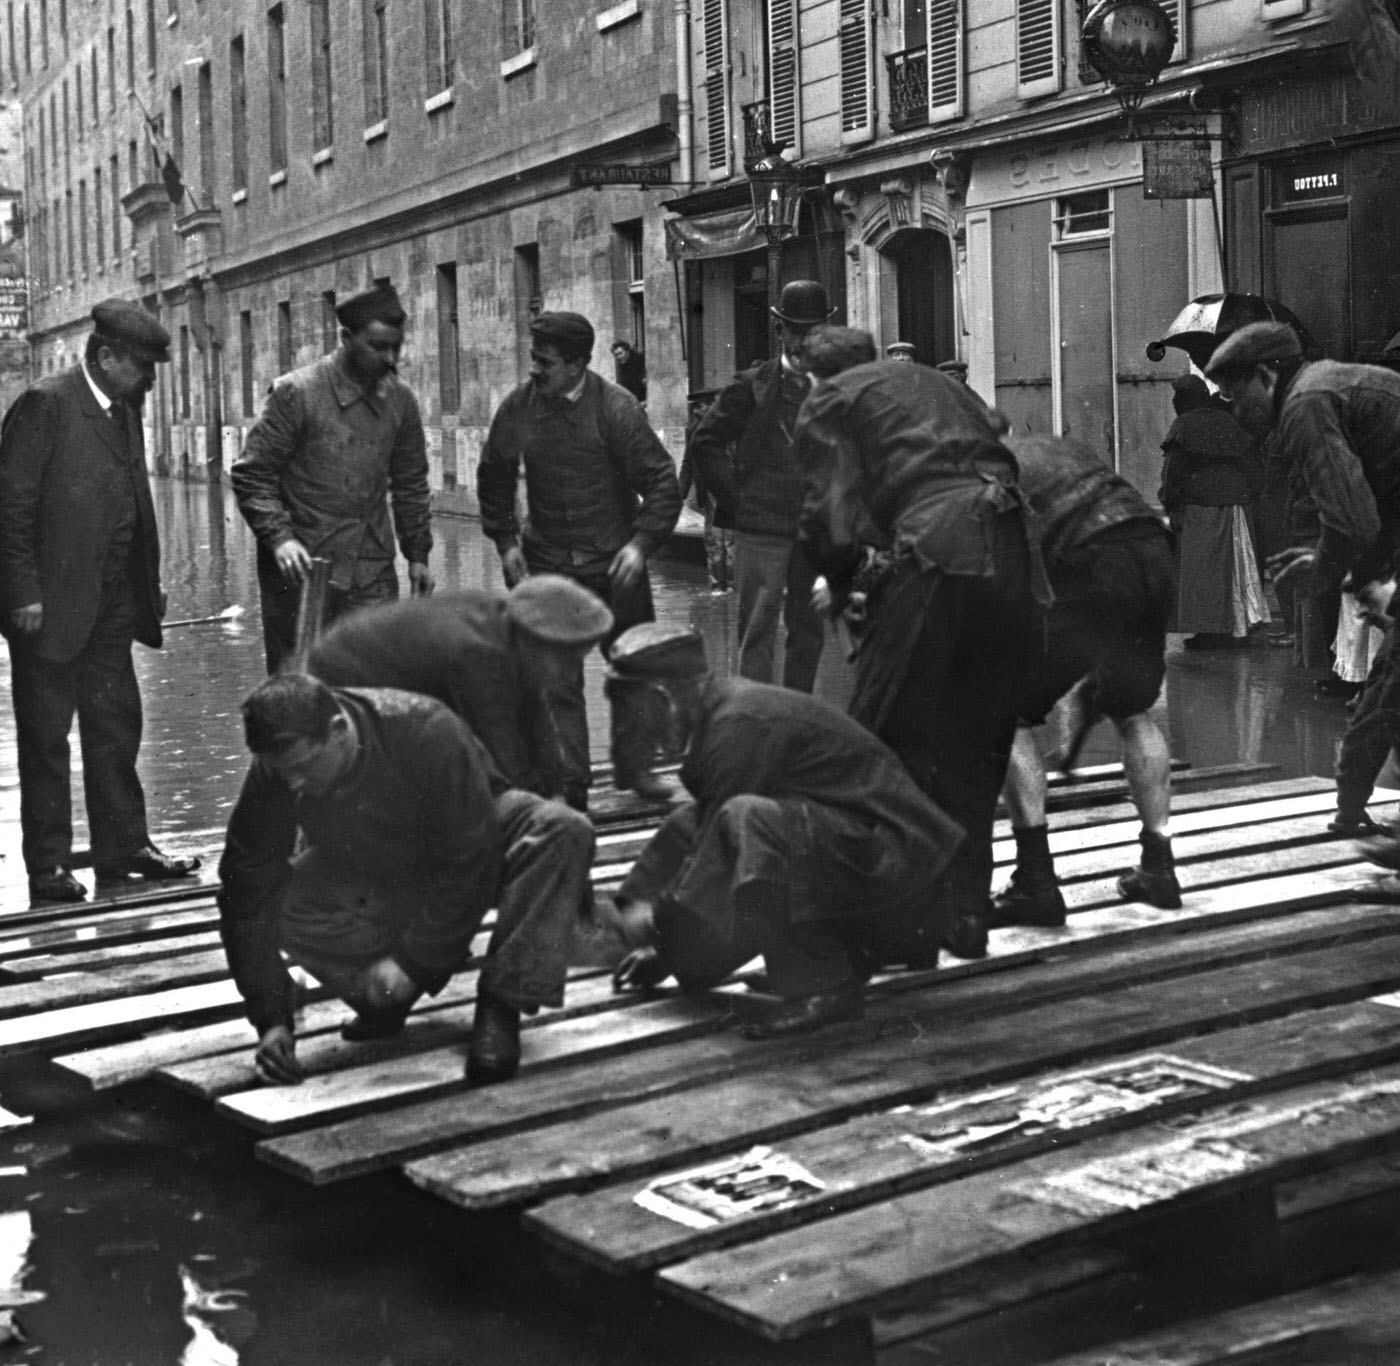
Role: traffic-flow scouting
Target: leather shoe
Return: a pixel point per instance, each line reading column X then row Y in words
column 1355, row 825
column 373, row 1024
column 1156, row 886
column 147, row 862
column 494, row 1051
column 1020, row 905
column 966, row 936
column 799, row 1014
column 58, row 884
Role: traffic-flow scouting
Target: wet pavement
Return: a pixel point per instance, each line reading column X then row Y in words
column 133, row 1230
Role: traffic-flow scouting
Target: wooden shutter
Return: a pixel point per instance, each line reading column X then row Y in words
column 718, row 154
column 857, row 72
column 1176, row 12
column 1037, row 48
column 945, row 60
column 784, row 75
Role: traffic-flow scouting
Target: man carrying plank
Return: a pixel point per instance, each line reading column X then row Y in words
column 1110, row 565
column 806, row 841
column 409, row 836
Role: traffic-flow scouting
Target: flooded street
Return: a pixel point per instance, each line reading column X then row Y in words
column 133, row 1230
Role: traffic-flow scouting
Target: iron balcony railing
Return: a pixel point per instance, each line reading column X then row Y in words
column 908, row 77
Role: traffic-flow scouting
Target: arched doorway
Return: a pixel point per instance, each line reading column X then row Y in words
column 916, row 293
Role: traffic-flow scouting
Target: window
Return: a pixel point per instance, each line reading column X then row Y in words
column 57, row 239
column 95, row 84
column 177, row 127
column 518, row 25
column 83, row 225
column 67, row 122
column 111, row 68
column 449, row 373
column 28, row 44
column 205, row 88
column 44, row 31
column 376, row 62
column 1082, row 215
column 1037, row 48
column 857, row 73
column 184, row 371
column 322, row 123
column 945, row 60
column 245, row 360
column 133, row 164
column 284, row 336
column 53, row 127
column 10, row 41
column 114, row 177
column 277, row 88
column 632, row 324
column 130, row 50
column 78, row 100
column 784, row 77
column 330, row 324
column 717, row 129
column 238, row 112
column 151, row 36
column 437, row 20
column 42, row 139
column 68, row 232
column 529, row 297
column 98, row 242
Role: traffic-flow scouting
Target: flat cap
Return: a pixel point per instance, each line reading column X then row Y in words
column 900, row 348
column 1256, row 344
column 558, row 610
column 957, row 368
column 569, row 332
column 656, row 650
column 378, row 304
column 123, row 320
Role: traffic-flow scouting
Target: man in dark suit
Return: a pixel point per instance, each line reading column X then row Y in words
column 79, row 581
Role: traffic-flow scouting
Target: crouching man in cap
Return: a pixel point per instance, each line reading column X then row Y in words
column 601, row 496
column 1339, row 424
column 337, row 443
column 79, row 581
column 805, row 840
column 409, row 836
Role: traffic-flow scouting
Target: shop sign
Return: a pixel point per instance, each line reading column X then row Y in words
column 615, row 173
column 1277, row 116
column 1310, row 180
column 14, row 309
column 1177, row 170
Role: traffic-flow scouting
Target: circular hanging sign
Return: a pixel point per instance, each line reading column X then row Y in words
column 1128, row 42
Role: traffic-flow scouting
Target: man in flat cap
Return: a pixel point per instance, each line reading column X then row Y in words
column 408, row 835
column 601, row 496
column 79, row 581
column 1339, row 424
column 743, row 452
column 805, row 840
column 339, row 442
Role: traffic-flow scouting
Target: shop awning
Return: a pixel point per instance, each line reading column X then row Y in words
column 724, row 232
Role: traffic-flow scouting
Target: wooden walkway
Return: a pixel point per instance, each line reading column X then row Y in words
column 1005, row 1160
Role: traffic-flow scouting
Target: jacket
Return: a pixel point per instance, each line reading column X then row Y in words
column 1210, row 461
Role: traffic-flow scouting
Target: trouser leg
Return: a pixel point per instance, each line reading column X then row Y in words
column 805, row 632
column 760, row 578
column 1368, row 738
column 565, row 697
column 544, row 886
column 45, row 697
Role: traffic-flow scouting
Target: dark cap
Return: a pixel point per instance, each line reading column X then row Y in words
column 957, row 368
column 553, row 608
column 126, row 322
column 655, row 650
column 803, row 303
column 378, row 304
column 1256, row 344
column 571, row 334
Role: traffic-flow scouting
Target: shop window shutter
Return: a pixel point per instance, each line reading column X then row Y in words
column 857, row 72
column 945, row 60
column 1037, row 48
column 784, row 76
column 718, row 153
column 1176, row 12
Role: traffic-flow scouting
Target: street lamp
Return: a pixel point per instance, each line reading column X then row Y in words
column 774, row 189
column 1129, row 43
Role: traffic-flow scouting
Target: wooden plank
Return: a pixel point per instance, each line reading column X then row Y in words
column 1345, row 1322
column 876, row 1256
column 33, row 967
column 874, row 1157
column 84, row 988
column 129, row 927
column 353, row 1147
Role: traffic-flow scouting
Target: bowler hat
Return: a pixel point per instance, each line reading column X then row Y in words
column 655, row 650
column 378, row 304
column 1257, row 344
column 570, row 333
column 803, row 304
column 126, row 322
column 553, row 608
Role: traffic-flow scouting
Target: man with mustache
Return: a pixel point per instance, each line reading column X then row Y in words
column 339, row 442
column 601, row 495
column 79, row 581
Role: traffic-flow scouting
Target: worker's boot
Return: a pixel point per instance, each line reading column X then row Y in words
column 1154, row 879
column 1032, row 897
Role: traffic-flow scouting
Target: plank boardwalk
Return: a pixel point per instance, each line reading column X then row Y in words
column 1030, row 1158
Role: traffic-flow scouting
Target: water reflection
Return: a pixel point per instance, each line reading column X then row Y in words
column 220, row 1320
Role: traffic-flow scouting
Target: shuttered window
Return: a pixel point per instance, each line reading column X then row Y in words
column 784, row 78
column 717, row 140
column 1176, row 12
column 857, row 73
column 945, row 60
column 1037, row 48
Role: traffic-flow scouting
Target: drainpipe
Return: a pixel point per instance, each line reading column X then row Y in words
column 685, row 153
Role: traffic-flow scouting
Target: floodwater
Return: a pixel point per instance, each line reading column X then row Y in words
column 136, row 1232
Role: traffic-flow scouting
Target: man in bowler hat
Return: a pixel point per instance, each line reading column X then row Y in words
column 743, row 451
column 337, row 444
column 79, row 581
column 601, row 496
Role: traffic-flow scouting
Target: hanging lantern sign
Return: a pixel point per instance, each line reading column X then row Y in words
column 1129, row 43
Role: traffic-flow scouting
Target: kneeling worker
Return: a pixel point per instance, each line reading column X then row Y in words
column 806, row 841
column 404, row 853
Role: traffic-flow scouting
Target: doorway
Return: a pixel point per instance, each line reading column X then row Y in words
column 1309, row 270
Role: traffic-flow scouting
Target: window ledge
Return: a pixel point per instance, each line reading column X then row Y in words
column 172, row 19
column 240, row 196
column 323, row 156
column 377, row 130
column 277, row 178
column 522, row 61
column 618, row 14
column 441, row 100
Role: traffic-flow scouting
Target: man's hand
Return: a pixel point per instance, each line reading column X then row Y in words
column 294, row 560
column 28, row 620
column 387, row 986
column 1294, row 563
column 821, row 596
column 641, row 970
column 420, row 580
column 628, row 566
column 1373, row 603
column 634, row 923
column 276, row 1058
column 513, row 567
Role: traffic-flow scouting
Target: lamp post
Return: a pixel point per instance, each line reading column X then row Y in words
column 773, row 187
